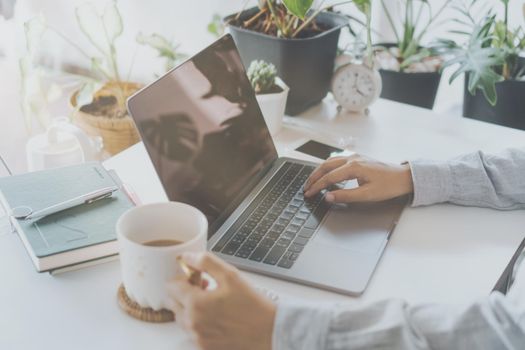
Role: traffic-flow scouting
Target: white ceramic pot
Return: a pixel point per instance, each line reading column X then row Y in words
column 62, row 144
column 273, row 106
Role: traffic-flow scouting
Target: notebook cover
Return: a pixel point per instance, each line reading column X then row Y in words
column 75, row 228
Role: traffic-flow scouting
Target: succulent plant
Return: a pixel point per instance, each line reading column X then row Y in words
column 262, row 76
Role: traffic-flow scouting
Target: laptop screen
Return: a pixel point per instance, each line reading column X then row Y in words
column 204, row 131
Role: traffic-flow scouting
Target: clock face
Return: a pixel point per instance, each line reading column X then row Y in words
column 355, row 86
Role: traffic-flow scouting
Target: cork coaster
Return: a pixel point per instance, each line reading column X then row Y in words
column 144, row 314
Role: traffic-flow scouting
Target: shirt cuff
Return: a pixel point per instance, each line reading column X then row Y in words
column 432, row 182
column 300, row 327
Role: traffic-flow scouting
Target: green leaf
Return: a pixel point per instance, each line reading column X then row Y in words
column 216, row 27
column 363, row 5
column 112, row 22
column 87, row 92
column 478, row 60
column 298, row 8
column 34, row 30
column 156, row 42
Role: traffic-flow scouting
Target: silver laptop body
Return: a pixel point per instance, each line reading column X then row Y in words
column 210, row 146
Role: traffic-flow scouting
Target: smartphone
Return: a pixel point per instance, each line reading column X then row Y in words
column 320, row 150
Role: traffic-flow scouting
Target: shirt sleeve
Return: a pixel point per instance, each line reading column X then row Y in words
column 494, row 322
column 476, row 179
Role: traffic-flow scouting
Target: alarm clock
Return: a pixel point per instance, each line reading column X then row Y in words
column 355, row 86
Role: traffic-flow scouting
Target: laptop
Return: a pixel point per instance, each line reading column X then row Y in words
column 208, row 141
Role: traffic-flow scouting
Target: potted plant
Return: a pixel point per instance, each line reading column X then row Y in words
column 300, row 41
column 410, row 72
column 271, row 93
column 494, row 67
column 99, row 102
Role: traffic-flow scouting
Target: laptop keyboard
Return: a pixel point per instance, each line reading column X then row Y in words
column 278, row 224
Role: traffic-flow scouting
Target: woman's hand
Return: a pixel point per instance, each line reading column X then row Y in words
column 231, row 317
column 377, row 181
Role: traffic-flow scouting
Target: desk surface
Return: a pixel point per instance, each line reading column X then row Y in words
column 442, row 253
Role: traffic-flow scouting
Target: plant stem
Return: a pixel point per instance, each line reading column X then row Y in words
column 312, row 17
column 243, row 8
column 369, row 53
column 79, row 49
column 274, row 16
column 390, row 20
column 70, row 42
column 506, row 21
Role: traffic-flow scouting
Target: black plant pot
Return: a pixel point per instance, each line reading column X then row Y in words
column 306, row 65
column 509, row 109
column 418, row 89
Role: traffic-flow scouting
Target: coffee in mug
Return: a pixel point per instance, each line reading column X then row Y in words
column 162, row 242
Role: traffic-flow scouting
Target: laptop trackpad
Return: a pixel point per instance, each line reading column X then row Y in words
column 358, row 228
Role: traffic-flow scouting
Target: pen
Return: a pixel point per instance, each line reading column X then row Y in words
column 194, row 276
column 73, row 202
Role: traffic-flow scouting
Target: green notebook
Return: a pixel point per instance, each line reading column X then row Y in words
column 76, row 235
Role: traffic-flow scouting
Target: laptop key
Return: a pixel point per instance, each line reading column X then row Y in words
column 317, row 216
column 267, row 242
column 278, row 228
column 283, row 221
column 284, row 242
column 274, row 235
column 288, row 235
column 238, row 238
column 285, row 263
column 302, row 215
column 287, row 215
column 243, row 253
column 293, row 256
column 296, row 248
column 301, row 240
column 294, row 228
column 259, row 253
column 297, row 221
column 306, row 232
column 231, row 248
column 275, row 254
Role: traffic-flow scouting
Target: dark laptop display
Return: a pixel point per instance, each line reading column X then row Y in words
column 203, row 130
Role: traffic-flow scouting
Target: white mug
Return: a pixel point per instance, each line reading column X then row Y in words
column 148, row 270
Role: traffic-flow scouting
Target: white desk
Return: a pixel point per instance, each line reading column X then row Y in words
column 442, row 253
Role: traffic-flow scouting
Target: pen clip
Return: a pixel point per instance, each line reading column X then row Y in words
column 193, row 275
column 102, row 196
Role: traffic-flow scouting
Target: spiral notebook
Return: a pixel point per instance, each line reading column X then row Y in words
column 78, row 235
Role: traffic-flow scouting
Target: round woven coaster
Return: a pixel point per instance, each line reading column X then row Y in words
column 144, row 314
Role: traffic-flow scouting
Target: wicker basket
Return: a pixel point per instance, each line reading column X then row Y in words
column 117, row 133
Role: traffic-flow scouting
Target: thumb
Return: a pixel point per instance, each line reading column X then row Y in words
column 359, row 194
column 209, row 263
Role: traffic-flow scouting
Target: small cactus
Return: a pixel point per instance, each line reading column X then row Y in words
column 262, row 76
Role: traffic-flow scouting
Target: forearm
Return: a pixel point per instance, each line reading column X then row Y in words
column 491, row 323
column 476, row 179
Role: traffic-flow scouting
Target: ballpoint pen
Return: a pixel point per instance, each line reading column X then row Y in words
column 26, row 213
column 194, row 276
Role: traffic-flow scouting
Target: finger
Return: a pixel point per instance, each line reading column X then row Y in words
column 346, row 172
column 211, row 264
column 324, row 168
column 359, row 194
column 182, row 291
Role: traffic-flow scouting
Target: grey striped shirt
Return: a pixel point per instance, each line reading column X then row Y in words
column 495, row 322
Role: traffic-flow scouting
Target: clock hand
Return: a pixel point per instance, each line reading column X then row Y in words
column 358, row 91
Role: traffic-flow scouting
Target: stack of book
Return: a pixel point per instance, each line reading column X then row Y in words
column 71, row 238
